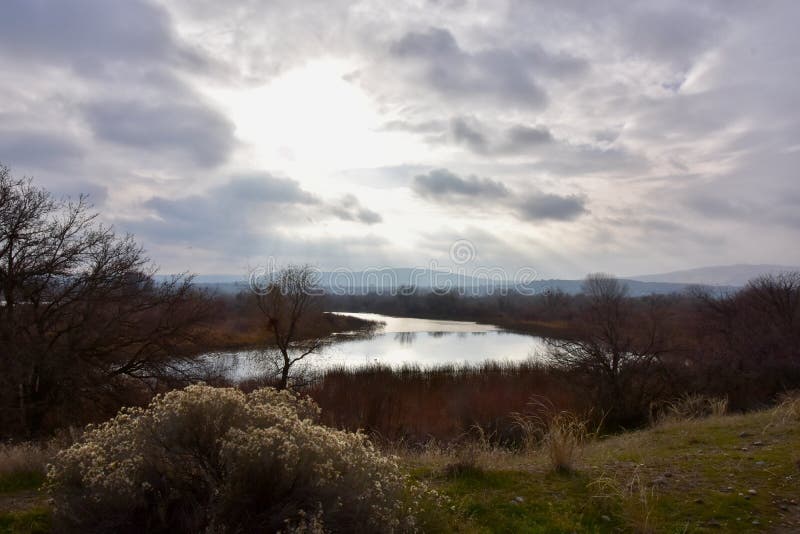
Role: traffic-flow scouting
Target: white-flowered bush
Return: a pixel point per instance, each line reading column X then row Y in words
column 217, row 460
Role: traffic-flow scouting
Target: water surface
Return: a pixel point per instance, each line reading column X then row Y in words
column 405, row 340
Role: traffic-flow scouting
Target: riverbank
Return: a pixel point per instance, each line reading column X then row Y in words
column 234, row 330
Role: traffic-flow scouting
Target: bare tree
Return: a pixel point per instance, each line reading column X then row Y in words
column 289, row 305
column 617, row 346
column 81, row 315
column 750, row 343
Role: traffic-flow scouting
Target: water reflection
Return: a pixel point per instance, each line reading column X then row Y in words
column 401, row 341
column 405, row 338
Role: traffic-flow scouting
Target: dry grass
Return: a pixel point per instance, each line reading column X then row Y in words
column 789, row 406
column 560, row 434
column 24, row 458
column 416, row 404
column 637, row 499
column 688, row 407
column 564, row 440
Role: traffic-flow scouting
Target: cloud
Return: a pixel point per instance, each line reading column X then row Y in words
column 513, row 140
column 262, row 187
column 202, row 135
column 247, row 215
column 440, row 184
column 502, row 75
column 466, row 132
column 237, row 218
column 544, row 206
column 89, row 34
column 676, row 34
column 348, row 208
column 38, row 149
column 508, row 140
column 520, row 138
column 521, row 114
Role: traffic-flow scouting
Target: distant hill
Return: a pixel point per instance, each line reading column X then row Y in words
column 387, row 280
column 392, row 280
column 719, row 275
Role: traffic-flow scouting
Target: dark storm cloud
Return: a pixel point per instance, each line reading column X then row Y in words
column 348, row 208
column 440, row 184
column 504, row 75
column 198, row 133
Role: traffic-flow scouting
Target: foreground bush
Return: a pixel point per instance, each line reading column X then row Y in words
column 218, row 460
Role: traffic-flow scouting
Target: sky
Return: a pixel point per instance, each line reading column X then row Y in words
column 565, row 136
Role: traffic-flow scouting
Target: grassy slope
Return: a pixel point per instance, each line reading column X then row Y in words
column 690, row 476
column 678, row 477
column 22, row 507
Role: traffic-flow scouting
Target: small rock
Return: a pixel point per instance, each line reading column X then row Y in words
column 761, row 462
column 605, row 518
column 784, row 508
column 756, row 522
column 519, row 499
column 757, row 444
column 746, row 435
column 668, row 475
column 752, row 491
column 699, row 501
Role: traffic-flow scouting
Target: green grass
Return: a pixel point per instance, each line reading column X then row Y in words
column 14, row 482
column 515, row 501
column 690, row 476
column 18, row 492
column 33, row 521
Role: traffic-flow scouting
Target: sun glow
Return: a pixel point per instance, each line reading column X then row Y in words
column 310, row 122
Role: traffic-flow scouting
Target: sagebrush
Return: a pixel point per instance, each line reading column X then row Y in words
column 218, row 460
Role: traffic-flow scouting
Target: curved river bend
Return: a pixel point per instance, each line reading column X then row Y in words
column 404, row 340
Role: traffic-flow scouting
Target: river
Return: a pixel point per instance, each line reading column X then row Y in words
column 404, row 340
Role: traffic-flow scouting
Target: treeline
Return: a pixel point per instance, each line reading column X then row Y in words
column 614, row 355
